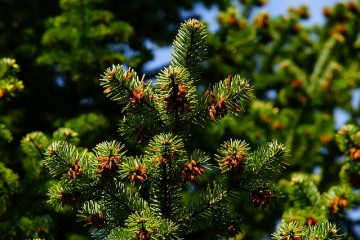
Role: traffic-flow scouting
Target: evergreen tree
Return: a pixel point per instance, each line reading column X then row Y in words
column 24, row 27
column 302, row 76
column 19, row 217
column 9, row 86
column 27, row 34
column 81, row 36
column 27, row 215
column 307, row 208
column 169, row 189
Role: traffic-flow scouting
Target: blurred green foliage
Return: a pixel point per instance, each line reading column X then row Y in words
column 302, row 75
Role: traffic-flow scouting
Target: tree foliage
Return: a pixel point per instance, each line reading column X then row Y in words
column 176, row 170
column 303, row 76
column 169, row 189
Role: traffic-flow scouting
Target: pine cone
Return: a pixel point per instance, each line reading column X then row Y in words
column 139, row 174
column 234, row 162
column 108, row 165
column 180, row 101
column 192, row 170
column 109, row 162
column 142, row 235
column 98, row 220
column 2, row 93
column 338, row 204
column 232, row 229
column 71, row 199
column 262, row 198
column 311, row 221
column 355, row 153
column 74, row 170
column 137, row 94
column 327, row 12
column 217, row 107
column 262, row 21
column 166, row 157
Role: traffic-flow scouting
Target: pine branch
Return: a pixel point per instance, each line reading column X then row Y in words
column 323, row 230
column 9, row 84
column 308, row 190
column 228, row 96
column 267, row 160
column 62, row 157
column 167, row 155
column 176, row 97
column 204, row 201
column 34, row 144
column 59, row 156
column 125, row 197
column 125, row 87
column 325, row 55
column 190, row 48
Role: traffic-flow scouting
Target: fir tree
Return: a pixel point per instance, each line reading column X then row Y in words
column 27, row 215
column 46, row 105
column 169, row 189
column 308, row 212
column 9, row 87
column 311, row 70
column 80, row 37
column 302, row 75
column 19, row 217
column 27, row 34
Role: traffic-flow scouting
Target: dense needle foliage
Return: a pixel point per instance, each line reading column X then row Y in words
column 169, row 189
column 194, row 157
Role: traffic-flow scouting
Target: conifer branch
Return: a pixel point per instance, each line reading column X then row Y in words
column 126, row 88
column 143, row 196
column 9, row 84
column 120, row 187
column 34, row 144
column 228, row 96
column 320, row 65
column 190, row 48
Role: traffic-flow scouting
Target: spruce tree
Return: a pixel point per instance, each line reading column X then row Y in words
column 308, row 208
column 28, row 215
column 9, row 87
column 27, row 34
column 169, row 189
column 21, row 218
column 81, row 36
column 302, row 76
column 47, row 104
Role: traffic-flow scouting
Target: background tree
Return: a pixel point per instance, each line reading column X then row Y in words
column 50, row 86
column 9, row 87
column 19, row 217
column 301, row 75
column 307, row 207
